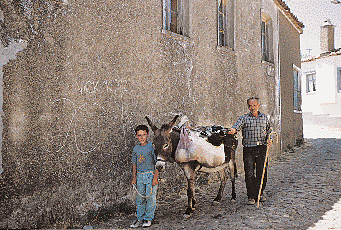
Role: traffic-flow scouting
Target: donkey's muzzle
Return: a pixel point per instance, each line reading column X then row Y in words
column 160, row 164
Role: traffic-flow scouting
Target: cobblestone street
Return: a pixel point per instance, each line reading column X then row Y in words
column 303, row 192
column 303, row 185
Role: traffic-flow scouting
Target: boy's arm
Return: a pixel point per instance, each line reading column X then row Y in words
column 134, row 175
column 156, row 175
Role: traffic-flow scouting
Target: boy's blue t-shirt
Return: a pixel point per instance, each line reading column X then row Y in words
column 144, row 157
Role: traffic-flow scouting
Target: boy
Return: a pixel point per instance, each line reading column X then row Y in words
column 145, row 177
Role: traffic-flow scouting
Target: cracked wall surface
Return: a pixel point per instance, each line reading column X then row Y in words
column 91, row 72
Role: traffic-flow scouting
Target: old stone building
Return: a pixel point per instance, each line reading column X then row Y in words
column 290, row 77
column 91, row 72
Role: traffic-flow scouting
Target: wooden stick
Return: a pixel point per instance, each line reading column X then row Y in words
column 265, row 161
column 261, row 182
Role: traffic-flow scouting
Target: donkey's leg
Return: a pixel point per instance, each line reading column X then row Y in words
column 235, row 170
column 223, row 178
column 190, row 195
column 191, row 176
column 232, row 173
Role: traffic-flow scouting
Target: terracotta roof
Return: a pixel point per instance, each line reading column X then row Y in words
column 285, row 8
column 334, row 52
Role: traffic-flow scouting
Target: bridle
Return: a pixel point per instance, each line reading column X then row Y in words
column 160, row 160
column 165, row 146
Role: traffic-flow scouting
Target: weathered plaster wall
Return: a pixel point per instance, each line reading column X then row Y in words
column 73, row 97
column 291, row 122
column 6, row 54
column 248, row 50
column 270, row 71
column 254, row 77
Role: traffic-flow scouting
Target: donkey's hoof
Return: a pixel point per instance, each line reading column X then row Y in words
column 215, row 203
column 193, row 204
column 189, row 211
column 187, row 214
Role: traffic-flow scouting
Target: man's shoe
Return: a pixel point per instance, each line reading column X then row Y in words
column 146, row 224
column 251, row 202
column 136, row 224
column 262, row 199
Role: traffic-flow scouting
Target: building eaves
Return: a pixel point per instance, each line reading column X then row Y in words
column 286, row 11
column 335, row 52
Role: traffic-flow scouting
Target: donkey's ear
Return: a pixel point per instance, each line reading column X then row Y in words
column 154, row 128
column 173, row 121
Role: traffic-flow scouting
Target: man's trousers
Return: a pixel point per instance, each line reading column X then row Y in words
column 254, row 158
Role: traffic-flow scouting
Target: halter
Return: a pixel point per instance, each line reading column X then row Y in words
column 168, row 144
column 161, row 160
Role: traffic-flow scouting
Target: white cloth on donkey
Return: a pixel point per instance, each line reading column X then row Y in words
column 191, row 147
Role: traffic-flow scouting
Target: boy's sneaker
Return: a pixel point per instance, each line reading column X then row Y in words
column 146, row 223
column 136, row 224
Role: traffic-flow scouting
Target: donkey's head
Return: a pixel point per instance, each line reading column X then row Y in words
column 165, row 142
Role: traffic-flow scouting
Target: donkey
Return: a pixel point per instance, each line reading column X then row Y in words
column 166, row 140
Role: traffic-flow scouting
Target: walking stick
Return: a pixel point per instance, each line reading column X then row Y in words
column 266, row 159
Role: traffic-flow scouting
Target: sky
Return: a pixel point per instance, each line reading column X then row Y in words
column 313, row 13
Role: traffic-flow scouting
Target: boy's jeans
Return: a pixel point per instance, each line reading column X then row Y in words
column 145, row 206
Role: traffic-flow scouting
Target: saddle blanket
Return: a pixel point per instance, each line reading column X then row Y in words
column 191, row 147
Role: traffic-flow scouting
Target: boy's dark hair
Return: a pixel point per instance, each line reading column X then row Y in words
column 141, row 127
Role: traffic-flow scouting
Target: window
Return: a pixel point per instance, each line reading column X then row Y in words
column 175, row 16
column 339, row 79
column 311, row 82
column 226, row 23
column 267, row 40
column 297, row 89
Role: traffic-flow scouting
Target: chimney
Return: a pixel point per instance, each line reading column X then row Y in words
column 327, row 37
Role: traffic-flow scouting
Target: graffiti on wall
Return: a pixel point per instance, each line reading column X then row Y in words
column 85, row 126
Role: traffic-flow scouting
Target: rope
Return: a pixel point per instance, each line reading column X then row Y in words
column 151, row 191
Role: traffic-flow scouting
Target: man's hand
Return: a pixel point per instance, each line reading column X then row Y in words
column 269, row 142
column 232, row 131
column 133, row 181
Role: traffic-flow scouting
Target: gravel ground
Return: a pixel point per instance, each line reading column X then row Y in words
column 303, row 185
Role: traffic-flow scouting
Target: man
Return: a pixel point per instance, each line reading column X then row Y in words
column 255, row 128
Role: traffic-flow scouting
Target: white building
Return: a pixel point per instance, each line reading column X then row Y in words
column 321, row 79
